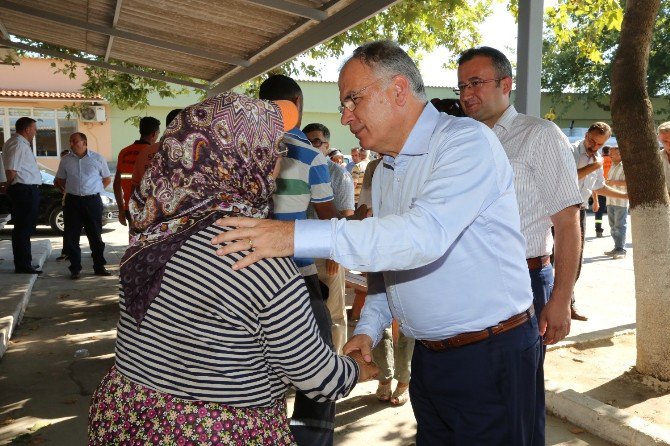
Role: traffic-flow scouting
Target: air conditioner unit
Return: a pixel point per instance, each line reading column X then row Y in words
column 93, row 113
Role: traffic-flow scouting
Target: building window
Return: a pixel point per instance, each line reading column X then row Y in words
column 53, row 129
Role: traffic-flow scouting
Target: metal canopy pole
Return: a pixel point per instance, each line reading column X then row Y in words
column 529, row 57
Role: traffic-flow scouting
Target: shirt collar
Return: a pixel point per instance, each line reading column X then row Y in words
column 507, row 118
column 419, row 138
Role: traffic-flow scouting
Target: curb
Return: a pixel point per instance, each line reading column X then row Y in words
column 603, row 420
column 14, row 305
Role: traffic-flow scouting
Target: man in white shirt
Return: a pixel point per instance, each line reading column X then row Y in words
column 23, row 179
column 545, row 186
column 590, row 174
column 617, row 208
column 664, row 139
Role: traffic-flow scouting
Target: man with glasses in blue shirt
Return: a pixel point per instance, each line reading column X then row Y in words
column 444, row 253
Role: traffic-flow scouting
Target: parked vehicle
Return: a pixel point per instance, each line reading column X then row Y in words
column 51, row 204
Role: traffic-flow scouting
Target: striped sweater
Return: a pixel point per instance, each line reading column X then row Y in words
column 235, row 337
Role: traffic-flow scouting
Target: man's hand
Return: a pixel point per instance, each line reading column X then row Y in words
column 361, row 343
column 596, row 205
column 361, row 213
column 367, row 370
column 554, row 323
column 331, row 267
column 122, row 217
column 264, row 238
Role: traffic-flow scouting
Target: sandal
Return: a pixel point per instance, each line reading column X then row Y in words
column 400, row 395
column 383, row 391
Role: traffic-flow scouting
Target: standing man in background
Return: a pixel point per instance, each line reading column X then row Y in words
column 591, row 178
column 149, row 131
column 664, row 139
column 82, row 175
column 617, row 208
column 23, row 179
column 330, row 273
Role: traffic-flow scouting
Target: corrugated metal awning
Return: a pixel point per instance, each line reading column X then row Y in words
column 219, row 44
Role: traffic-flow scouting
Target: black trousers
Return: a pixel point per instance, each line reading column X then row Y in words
column 83, row 212
column 313, row 423
column 25, row 203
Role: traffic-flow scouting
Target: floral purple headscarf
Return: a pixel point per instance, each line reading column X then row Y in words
column 215, row 159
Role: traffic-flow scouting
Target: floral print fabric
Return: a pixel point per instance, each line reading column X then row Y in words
column 125, row 413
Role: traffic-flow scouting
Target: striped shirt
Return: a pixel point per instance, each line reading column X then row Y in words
column 343, row 190
column 303, row 178
column 239, row 338
column 616, row 173
column 545, row 177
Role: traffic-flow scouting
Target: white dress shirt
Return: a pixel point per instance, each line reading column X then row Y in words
column 17, row 155
column 545, row 176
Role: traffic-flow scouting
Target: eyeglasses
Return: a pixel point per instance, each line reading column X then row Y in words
column 351, row 101
column 316, row 142
column 474, row 84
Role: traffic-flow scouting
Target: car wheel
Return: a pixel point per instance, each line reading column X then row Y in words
column 56, row 220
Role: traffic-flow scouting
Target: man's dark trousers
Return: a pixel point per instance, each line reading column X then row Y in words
column 479, row 394
column 25, row 203
column 313, row 423
column 86, row 212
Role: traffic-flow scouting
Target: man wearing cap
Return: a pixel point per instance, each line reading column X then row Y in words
column 304, row 180
column 23, row 179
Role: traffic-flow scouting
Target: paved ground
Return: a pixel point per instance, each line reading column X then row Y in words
column 45, row 389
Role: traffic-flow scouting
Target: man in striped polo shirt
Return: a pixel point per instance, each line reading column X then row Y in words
column 304, row 179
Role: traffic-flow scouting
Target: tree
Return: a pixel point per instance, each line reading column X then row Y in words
column 632, row 116
column 580, row 44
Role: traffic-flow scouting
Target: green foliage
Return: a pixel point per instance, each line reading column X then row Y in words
column 580, row 45
column 420, row 26
column 122, row 90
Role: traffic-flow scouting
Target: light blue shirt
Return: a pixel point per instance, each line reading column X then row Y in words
column 445, row 244
column 83, row 176
column 593, row 181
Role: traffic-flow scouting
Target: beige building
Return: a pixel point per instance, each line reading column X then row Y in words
column 32, row 89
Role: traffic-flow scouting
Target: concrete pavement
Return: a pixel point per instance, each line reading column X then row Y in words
column 45, row 390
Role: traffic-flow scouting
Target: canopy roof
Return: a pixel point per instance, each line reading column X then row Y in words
column 219, row 43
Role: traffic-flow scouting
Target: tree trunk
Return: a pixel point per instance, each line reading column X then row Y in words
column 632, row 116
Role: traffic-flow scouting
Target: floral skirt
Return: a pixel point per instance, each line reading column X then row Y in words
column 125, row 413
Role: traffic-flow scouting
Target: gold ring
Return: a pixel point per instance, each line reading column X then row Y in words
column 251, row 244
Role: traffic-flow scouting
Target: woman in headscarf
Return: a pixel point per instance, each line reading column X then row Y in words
column 205, row 354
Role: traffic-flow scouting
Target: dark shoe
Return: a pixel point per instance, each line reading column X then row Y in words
column 619, row 254
column 28, row 271
column 62, row 257
column 102, row 272
column 599, row 234
column 610, row 253
column 574, row 314
column 75, row 275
